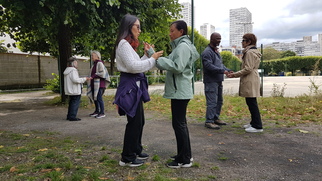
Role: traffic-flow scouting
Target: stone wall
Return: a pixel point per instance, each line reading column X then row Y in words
column 29, row 71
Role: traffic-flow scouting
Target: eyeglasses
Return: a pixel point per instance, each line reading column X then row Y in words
column 244, row 40
column 138, row 26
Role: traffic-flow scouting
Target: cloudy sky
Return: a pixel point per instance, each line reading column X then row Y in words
column 274, row 20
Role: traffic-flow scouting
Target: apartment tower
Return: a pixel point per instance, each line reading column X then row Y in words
column 240, row 23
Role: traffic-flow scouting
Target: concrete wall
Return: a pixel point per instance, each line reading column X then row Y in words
column 29, row 71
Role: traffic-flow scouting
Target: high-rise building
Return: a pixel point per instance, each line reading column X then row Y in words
column 206, row 30
column 240, row 23
column 186, row 13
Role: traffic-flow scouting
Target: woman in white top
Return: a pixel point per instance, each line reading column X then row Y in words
column 132, row 89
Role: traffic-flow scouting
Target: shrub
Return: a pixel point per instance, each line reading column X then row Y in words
column 53, row 84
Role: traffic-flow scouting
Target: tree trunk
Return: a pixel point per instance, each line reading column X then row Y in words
column 65, row 51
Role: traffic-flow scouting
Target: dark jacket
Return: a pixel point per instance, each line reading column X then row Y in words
column 128, row 93
column 213, row 68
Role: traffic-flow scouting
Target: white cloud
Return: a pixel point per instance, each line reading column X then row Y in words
column 274, row 20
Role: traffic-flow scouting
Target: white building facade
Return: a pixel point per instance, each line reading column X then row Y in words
column 240, row 20
column 206, row 30
column 186, row 13
column 305, row 47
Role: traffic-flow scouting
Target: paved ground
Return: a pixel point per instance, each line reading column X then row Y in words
column 275, row 154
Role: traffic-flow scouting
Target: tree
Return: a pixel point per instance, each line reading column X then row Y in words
column 2, row 48
column 287, row 53
column 67, row 27
column 270, row 53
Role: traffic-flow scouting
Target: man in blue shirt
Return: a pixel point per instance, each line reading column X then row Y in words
column 213, row 71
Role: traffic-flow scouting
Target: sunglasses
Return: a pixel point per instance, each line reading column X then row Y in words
column 138, row 26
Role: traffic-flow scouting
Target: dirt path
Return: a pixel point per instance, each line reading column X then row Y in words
column 275, row 154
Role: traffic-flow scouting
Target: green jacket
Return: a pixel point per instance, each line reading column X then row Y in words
column 178, row 83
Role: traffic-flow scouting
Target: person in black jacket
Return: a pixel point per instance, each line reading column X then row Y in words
column 213, row 71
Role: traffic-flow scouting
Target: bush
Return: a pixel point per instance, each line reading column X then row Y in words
column 53, row 84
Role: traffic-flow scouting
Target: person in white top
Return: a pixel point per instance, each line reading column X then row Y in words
column 73, row 88
column 132, row 89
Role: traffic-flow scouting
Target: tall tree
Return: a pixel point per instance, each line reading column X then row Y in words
column 50, row 25
column 66, row 27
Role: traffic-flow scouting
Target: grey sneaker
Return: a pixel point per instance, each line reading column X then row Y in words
column 212, row 126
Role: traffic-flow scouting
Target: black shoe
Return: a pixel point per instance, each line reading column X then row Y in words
column 219, row 122
column 142, row 156
column 74, row 119
column 175, row 156
column 135, row 163
column 173, row 164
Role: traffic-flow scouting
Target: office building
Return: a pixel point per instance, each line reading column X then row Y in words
column 186, row 13
column 240, row 23
column 206, row 30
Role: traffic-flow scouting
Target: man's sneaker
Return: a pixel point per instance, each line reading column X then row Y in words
column 94, row 114
column 175, row 156
column 219, row 122
column 253, row 130
column 173, row 164
column 247, row 126
column 135, row 163
column 142, row 156
column 212, row 126
column 100, row 116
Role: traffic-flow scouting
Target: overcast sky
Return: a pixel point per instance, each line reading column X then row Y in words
column 274, row 20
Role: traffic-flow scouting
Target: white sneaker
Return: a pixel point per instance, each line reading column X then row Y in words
column 100, row 116
column 253, row 130
column 187, row 165
column 247, row 126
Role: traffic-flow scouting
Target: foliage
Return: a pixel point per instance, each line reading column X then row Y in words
column 3, row 49
column 294, row 63
column 270, row 53
column 230, row 61
column 278, row 91
column 287, row 53
column 53, row 84
column 65, row 28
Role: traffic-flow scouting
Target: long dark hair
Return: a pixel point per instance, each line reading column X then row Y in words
column 124, row 31
column 181, row 25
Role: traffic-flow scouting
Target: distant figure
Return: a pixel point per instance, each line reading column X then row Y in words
column 73, row 88
column 98, row 84
column 132, row 90
column 249, row 86
column 213, row 71
column 178, row 88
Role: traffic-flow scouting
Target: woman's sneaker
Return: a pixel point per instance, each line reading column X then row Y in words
column 94, row 114
column 175, row 164
column 175, row 156
column 135, row 163
column 253, row 130
column 247, row 126
column 142, row 156
column 100, row 116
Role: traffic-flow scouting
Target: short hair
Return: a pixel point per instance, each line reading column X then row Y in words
column 70, row 62
column 97, row 53
column 250, row 37
column 181, row 25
